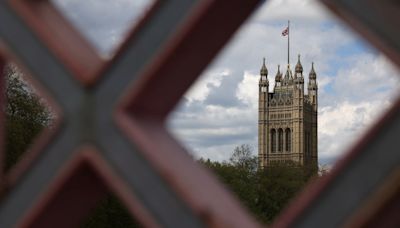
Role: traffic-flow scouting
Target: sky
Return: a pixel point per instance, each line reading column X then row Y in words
column 356, row 83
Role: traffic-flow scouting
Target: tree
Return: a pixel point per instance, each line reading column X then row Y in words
column 277, row 185
column 242, row 158
column 26, row 116
column 264, row 192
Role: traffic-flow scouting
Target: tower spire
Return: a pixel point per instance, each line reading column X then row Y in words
column 313, row 87
column 264, row 70
column 299, row 67
column 312, row 74
column 278, row 76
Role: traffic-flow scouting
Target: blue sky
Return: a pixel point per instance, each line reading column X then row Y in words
column 219, row 112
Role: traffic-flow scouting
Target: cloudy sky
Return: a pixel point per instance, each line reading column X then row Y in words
column 356, row 83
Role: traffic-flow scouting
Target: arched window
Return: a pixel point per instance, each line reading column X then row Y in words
column 288, row 135
column 280, row 139
column 273, row 140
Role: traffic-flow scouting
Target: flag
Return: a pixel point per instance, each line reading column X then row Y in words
column 285, row 32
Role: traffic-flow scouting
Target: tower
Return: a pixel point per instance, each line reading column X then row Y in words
column 287, row 118
column 263, row 113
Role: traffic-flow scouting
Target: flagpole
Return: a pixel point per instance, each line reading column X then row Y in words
column 288, row 43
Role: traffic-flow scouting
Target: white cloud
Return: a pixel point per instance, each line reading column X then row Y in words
column 200, row 90
column 343, row 123
column 246, row 91
column 367, row 77
column 363, row 91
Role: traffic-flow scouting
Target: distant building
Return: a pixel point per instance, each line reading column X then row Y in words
column 287, row 120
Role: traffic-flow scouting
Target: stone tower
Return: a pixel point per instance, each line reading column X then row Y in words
column 287, row 118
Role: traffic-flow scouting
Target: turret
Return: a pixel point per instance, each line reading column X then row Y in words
column 313, row 98
column 263, row 114
column 263, row 78
column 313, row 87
column 298, row 75
column 312, row 75
column 299, row 68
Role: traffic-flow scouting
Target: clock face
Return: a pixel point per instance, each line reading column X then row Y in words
column 263, row 89
column 263, row 78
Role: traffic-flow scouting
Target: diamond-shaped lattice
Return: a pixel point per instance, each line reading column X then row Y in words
column 159, row 64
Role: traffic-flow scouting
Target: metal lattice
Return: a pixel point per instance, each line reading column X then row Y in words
column 111, row 133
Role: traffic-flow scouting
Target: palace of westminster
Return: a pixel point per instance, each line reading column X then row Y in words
column 287, row 121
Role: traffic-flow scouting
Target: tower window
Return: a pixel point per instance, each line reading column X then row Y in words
column 280, row 140
column 288, row 140
column 273, row 141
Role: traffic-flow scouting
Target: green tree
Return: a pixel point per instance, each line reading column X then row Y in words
column 264, row 192
column 277, row 184
column 25, row 116
column 242, row 158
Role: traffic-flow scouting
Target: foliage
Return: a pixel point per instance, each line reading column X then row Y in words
column 264, row 192
column 25, row 114
column 242, row 158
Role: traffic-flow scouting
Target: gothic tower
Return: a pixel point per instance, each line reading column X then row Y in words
column 263, row 114
column 287, row 118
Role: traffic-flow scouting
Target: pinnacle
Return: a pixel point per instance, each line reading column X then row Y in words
column 299, row 67
column 278, row 76
column 264, row 70
column 312, row 74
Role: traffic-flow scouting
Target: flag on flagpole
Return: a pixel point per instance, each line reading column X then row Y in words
column 285, row 32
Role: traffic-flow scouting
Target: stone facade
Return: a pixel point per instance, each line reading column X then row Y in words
column 287, row 122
